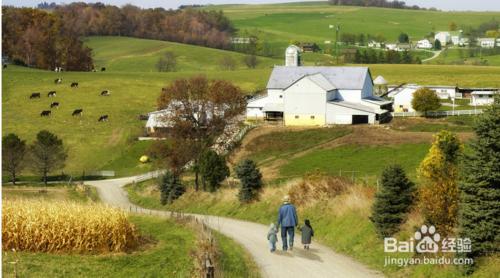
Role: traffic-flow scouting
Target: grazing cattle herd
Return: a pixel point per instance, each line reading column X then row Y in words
column 55, row 104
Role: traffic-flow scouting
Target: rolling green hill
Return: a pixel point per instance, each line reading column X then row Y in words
column 134, row 88
column 132, row 55
column 281, row 24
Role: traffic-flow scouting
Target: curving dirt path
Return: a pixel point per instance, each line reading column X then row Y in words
column 319, row 261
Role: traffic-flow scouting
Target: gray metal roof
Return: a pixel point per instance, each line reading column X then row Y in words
column 340, row 77
column 358, row 106
column 320, row 80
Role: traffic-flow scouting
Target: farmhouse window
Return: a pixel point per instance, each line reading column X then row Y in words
column 296, row 116
column 281, row 96
column 312, row 117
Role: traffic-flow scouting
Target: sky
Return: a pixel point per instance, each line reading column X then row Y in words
column 475, row 5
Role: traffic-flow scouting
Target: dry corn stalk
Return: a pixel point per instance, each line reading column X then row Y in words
column 32, row 225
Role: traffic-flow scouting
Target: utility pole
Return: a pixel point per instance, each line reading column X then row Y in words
column 337, row 29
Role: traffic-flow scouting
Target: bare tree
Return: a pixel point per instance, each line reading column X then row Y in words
column 227, row 63
column 168, row 62
column 199, row 111
column 250, row 61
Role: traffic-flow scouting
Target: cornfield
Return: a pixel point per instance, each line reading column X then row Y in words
column 37, row 226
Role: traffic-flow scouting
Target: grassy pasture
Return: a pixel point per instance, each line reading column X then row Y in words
column 281, row 24
column 367, row 161
column 93, row 145
column 460, row 57
column 141, row 55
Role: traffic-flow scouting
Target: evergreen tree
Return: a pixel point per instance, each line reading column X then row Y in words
column 47, row 154
column 439, row 189
column 406, row 59
column 403, row 38
column 213, row 170
column 392, row 201
column 251, row 180
column 437, row 45
column 170, row 188
column 357, row 57
column 480, row 186
column 13, row 154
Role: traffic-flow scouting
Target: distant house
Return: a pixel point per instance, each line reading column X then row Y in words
column 424, row 44
column 156, row 122
column 403, row 95
column 391, row 46
column 482, row 97
column 486, row 42
column 238, row 40
column 444, row 92
column 318, row 96
column 457, row 38
column 403, row 47
column 374, row 44
column 309, row 47
column 443, row 37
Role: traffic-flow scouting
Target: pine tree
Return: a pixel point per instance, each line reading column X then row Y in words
column 439, row 176
column 13, row 154
column 170, row 188
column 392, row 201
column 213, row 170
column 251, row 180
column 480, row 186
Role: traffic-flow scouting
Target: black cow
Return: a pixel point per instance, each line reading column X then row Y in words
column 4, row 66
column 45, row 113
column 58, row 81
column 103, row 118
column 77, row 112
column 103, row 69
column 105, row 93
column 54, row 104
column 35, row 95
column 51, row 94
column 74, row 85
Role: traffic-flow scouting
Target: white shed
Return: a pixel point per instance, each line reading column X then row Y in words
column 482, row 97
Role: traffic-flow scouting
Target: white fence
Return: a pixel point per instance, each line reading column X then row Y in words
column 438, row 113
column 148, row 176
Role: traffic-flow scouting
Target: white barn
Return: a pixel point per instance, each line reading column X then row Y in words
column 303, row 96
column 424, row 44
column 443, row 37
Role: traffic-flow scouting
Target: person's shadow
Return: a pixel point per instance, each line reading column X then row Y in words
column 299, row 252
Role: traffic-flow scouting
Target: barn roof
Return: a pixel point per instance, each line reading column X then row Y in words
column 340, row 77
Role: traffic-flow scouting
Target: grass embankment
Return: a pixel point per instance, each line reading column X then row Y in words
column 461, row 56
column 341, row 222
column 453, row 124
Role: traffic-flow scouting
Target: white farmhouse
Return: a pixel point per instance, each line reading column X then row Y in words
column 402, row 97
column 486, row 42
column 482, row 97
column 443, row 37
column 318, row 96
column 391, row 46
column 424, row 44
column 444, row 92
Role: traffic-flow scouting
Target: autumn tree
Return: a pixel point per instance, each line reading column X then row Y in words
column 480, row 186
column 13, row 155
column 47, row 154
column 251, row 180
column 213, row 170
column 452, row 26
column 438, row 172
column 199, row 111
column 425, row 100
column 392, row 201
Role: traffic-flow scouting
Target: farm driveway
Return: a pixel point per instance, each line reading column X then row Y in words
column 319, row 261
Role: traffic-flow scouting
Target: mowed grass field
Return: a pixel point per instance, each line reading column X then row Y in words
column 459, row 56
column 134, row 90
column 131, row 54
column 281, row 24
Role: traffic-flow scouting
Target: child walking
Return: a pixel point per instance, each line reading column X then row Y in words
column 307, row 233
column 272, row 237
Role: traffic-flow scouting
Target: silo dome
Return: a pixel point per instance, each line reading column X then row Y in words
column 292, row 56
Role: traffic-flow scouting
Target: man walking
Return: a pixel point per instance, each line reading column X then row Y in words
column 287, row 220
